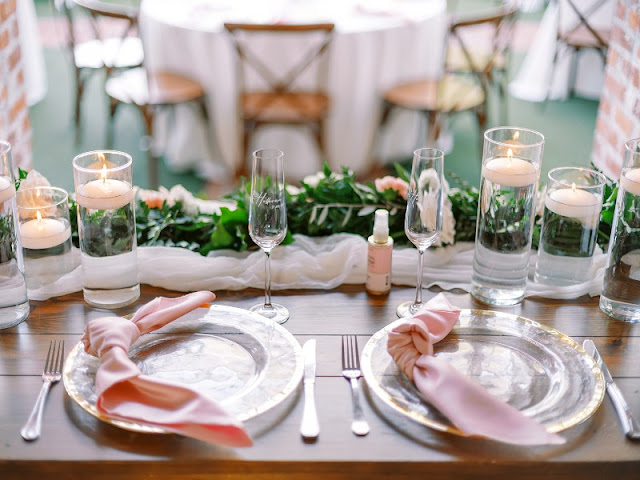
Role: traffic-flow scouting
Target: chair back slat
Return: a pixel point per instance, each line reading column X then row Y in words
column 243, row 39
column 501, row 23
column 590, row 14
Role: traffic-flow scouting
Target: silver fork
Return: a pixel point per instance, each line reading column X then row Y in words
column 52, row 373
column 351, row 371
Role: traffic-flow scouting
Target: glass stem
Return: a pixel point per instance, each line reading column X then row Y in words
column 267, row 280
column 418, row 300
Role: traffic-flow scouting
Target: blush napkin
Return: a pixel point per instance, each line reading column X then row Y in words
column 472, row 409
column 125, row 393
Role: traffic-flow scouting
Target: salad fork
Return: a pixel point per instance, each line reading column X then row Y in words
column 51, row 374
column 351, row 371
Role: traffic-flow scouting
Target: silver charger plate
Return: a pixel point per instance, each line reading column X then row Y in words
column 537, row 369
column 247, row 363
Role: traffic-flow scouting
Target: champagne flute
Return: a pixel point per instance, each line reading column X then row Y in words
column 268, row 219
column 423, row 219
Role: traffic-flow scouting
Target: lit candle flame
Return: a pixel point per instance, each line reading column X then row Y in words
column 103, row 174
column 509, row 155
column 39, row 216
column 102, row 158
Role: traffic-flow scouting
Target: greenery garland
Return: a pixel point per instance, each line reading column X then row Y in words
column 333, row 203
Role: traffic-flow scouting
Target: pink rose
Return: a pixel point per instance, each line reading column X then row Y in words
column 152, row 198
column 393, row 183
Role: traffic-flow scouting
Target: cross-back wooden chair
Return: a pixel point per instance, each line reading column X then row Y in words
column 149, row 91
column 281, row 99
column 104, row 51
column 489, row 62
column 461, row 89
column 582, row 35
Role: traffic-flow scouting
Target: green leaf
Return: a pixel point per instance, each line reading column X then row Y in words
column 326, row 169
column 221, row 238
column 402, row 172
column 366, row 211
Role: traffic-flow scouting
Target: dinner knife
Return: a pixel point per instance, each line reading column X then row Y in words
column 629, row 426
column 309, row 427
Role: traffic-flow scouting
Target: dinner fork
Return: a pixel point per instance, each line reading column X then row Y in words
column 351, row 371
column 51, row 374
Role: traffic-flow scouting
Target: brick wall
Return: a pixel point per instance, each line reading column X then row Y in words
column 14, row 113
column 619, row 111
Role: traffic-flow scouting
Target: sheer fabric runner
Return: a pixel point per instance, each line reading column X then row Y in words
column 311, row 263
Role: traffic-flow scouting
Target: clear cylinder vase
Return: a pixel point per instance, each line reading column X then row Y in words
column 620, row 297
column 14, row 303
column 511, row 163
column 107, row 228
column 45, row 235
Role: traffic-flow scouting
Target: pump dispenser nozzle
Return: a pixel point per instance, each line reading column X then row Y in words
column 381, row 226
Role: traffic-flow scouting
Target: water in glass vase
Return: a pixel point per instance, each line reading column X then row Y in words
column 566, row 248
column 109, row 258
column 503, row 242
column 14, row 304
column 46, row 265
column 620, row 296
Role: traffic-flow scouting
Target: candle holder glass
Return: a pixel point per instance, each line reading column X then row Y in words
column 620, row 296
column 572, row 206
column 45, row 234
column 107, row 228
column 506, row 210
column 14, row 303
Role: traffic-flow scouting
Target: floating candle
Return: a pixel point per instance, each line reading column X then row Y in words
column 630, row 181
column 105, row 193
column 510, row 171
column 7, row 189
column 575, row 203
column 43, row 233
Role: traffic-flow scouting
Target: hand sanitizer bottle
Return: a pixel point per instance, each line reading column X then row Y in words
column 380, row 248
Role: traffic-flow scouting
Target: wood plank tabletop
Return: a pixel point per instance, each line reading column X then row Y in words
column 76, row 445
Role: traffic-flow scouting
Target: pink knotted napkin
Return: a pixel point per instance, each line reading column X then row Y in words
column 472, row 409
column 125, row 393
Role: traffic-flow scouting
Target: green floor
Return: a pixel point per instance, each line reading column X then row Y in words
column 568, row 127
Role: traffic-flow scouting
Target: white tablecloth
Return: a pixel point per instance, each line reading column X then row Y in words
column 534, row 81
column 377, row 44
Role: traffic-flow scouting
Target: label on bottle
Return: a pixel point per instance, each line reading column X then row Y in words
column 379, row 268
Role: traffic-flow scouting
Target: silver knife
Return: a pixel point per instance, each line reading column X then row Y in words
column 629, row 426
column 309, row 427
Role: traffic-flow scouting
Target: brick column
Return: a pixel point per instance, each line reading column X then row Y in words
column 14, row 113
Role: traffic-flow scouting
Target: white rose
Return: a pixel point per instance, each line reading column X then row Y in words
column 313, row 180
column 428, row 208
column 293, row 190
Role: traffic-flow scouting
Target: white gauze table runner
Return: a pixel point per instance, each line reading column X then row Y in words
column 310, row 263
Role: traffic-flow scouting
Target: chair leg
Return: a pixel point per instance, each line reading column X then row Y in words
column 373, row 159
column 152, row 162
column 78, row 104
column 249, row 127
column 556, row 54
column 320, row 141
column 504, row 99
column 481, row 116
column 433, row 128
column 573, row 72
column 113, row 107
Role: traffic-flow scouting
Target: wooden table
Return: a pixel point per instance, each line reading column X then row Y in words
column 75, row 445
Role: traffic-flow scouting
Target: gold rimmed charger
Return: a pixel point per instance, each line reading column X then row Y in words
column 241, row 359
column 535, row 368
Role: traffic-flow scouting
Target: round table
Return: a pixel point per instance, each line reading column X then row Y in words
column 377, row 43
